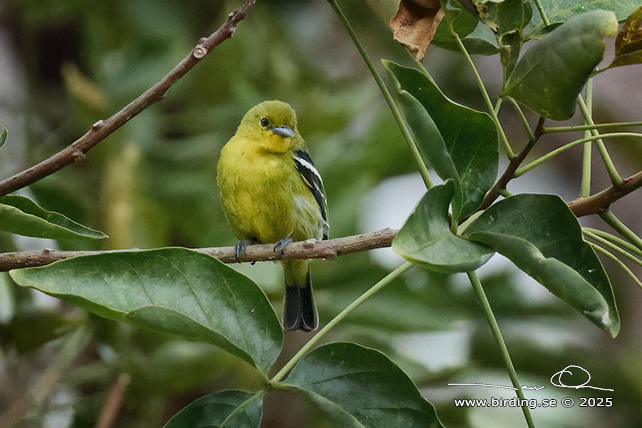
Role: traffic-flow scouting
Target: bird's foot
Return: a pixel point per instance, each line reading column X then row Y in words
column 239, row 248
column 280, row 246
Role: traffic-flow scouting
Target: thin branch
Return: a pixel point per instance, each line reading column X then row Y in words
column 311, row 249
column 103, row 128
column 602, row 200
column 110, row 410
column 514, row 163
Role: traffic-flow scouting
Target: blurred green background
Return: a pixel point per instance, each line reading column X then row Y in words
column 66, row 64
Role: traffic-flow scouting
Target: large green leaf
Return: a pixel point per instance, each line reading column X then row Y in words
column 551, row 74
column 544, row 239
column 22, row 216
column 229, row 409
column 426, row 238
column 176, row 290
column 361, row 387
column 459, row 142
column 559, row 11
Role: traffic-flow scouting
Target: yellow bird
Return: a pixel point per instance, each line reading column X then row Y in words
column 272, row 193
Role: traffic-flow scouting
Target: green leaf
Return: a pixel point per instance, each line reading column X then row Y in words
column 229, row 409
column 3, row 136
column 476, row 37
column 459, row 142
column 361, row 387
column 175, row 290
column 559, row 11
column 24, row 217
column 551, row 74
column 544, row 239
column 426, row 238
column 628, row 44
column 510, row 16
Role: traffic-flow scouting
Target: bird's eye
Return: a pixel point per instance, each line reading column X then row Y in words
column 265, row 122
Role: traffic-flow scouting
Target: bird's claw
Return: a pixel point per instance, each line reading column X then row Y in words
column 280, row 246
column 239, row 249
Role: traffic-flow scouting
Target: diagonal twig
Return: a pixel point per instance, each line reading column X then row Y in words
column 102, row 128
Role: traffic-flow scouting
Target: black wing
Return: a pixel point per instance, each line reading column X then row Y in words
column 313, row 180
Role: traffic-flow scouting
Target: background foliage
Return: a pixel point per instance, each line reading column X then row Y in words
column 152, row 184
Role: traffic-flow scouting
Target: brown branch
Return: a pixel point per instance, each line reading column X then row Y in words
column 310, row 249
column 509, row 173
column 102, row 128
column 600, row 201
column 110, row 410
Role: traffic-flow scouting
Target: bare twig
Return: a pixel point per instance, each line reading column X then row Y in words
column 102, row 128
column 509, row 173
column 311, row 249
column 110, row 410
column 600, row 201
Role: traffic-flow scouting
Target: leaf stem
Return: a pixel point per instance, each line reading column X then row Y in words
column 617, row 261
column 542, row 13
column 559, row 150
column 336, row 320
column 486, row 97
column 585, row 186
column 520, row 113
column 257, row 394
column 423, row 170
column 556, row 129
column 614, row 239
column 612, row 246
column 497, row 334
column 615, row 177
column 610, row 218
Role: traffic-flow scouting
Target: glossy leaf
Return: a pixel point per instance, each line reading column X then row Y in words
column 229, row 409
column 628, row 44
column 175, row 290
column 459, row 142
column 22, row 216
column 544, row 239
column 510, row 17
column 3, row 136
column 361, row 387
column 476, row 37
column 559, row 11
column 550, row 75
column 426, row 238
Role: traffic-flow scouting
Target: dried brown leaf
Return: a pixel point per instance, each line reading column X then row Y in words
column 415, row 24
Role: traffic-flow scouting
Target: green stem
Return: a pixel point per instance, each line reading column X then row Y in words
column 423, row 170
column 241, row 406
column 542, row 13
column 585, row 186
column 615, row 177
column 614, row 239
column 336, row 320
column 557, row 151
column 617, row 261
column 497, row 334
column 610, row 218
column 612, row 246
column 522, row 117
column 489, row 103
column 555, row 129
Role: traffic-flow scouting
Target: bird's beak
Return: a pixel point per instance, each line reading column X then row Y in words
column 283, row 131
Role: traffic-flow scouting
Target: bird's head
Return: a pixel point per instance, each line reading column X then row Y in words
column 272, row 125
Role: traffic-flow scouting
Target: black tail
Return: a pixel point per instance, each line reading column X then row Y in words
column 299, row 311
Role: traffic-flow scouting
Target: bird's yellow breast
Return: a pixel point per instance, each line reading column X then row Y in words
column 263, row 196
